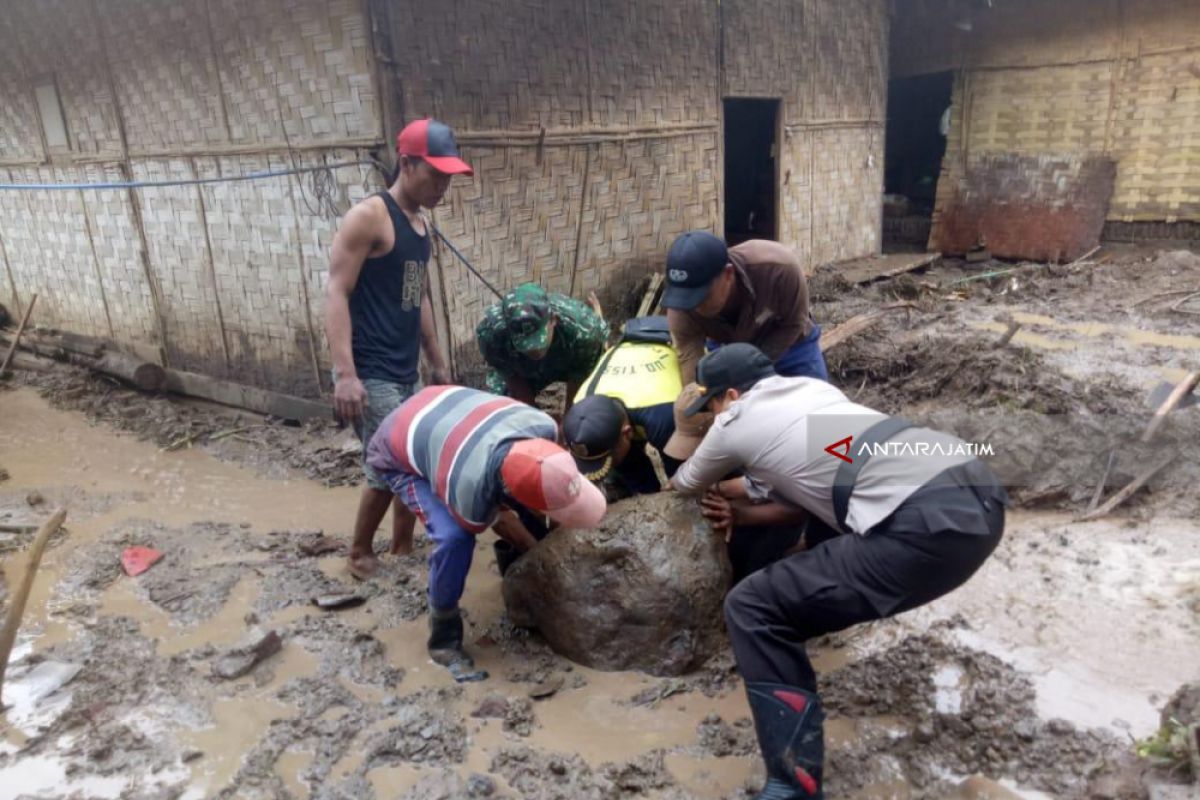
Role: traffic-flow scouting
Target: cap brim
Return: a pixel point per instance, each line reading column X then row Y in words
column 585, row 511
column 698, row 406
column 449, row 165
column 681, row 445
column 594, row 469
column 684, row 298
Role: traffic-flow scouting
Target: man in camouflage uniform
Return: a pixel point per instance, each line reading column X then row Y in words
column 533, row 338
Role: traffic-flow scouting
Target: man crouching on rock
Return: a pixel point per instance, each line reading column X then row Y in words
column 907, row 515
column 463, row 460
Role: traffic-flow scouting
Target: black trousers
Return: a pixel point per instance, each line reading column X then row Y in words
column 753, row 547
column 929, row 546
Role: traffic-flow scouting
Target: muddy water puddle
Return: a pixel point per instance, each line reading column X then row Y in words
column 352, row 704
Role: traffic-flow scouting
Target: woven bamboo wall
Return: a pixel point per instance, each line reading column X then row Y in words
column 1074, row 78
column 594, row 128
column 154, row 90
column 628, row 95
column 827, row 64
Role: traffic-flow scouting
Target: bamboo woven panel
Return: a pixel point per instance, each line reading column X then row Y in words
column 164, row 72
column 849, row 62
column 48, row 255
column 118, row 258
column 489, row 66
column 1045, row 110
column 20, row 134
column 309, row 58
column 642, row 195
column 61, row 40
column 58, row 41
column 175, row 239
column 654, row 61
column 796, row 194
column 767, row 52
column 516, row 220
column 847, row 184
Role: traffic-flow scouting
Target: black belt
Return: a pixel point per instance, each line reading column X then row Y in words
column 847, row 474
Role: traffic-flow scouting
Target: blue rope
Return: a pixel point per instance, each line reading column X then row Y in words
column 253, row 176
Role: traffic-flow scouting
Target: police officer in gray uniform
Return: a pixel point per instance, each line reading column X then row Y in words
column 897, row 516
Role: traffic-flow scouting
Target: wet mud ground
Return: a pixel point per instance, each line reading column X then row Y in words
column 1037, row 674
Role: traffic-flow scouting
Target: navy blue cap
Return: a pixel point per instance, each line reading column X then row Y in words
column 694, row 261
column 733, row 366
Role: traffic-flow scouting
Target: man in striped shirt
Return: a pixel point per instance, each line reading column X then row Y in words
column 458, row 458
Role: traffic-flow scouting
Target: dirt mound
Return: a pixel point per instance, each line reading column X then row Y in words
column 963, row 712
column 965, row 371
column 539, row 775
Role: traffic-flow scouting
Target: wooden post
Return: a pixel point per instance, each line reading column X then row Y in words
column 8, row 635
column 583, row 206
column 212, row 266
column 8, row 357
column 87, row 226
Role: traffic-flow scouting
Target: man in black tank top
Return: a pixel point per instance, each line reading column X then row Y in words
column 379, row 317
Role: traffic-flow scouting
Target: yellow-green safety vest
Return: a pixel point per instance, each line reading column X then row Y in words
column 639, row 374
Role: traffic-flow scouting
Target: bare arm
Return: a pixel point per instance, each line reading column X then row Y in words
column 439, row 373
column 508, row 526
column 689, row 343
column 351, row 247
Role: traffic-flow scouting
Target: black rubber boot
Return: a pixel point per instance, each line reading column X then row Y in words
column 790, row 727
column 446, row 648
column 506, row 555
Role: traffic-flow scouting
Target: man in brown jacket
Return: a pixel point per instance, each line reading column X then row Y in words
column 754, row 293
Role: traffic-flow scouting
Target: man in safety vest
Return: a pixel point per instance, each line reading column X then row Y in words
column 626, row 403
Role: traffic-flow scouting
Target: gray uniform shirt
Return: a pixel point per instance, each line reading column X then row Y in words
column 778, row 432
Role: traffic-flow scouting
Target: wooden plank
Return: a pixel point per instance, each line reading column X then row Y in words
column 859, row 323
column 876, row 268
column 249, row 397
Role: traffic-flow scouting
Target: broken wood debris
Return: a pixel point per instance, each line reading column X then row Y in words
column 16, row 340
column 1013, row 327
column 1129, row 489
column 1184, row 388
column 652, row 296
column 859, row 323
column 16, row 608
column 875, row 268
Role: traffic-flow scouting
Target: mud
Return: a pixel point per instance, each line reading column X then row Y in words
column 1071, row 387
column 318, row 450
column 1038, row 673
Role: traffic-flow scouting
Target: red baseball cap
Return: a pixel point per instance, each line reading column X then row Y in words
column 434, row 142
column 543, row 477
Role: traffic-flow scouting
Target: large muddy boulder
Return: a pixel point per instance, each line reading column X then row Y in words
column 644, row 591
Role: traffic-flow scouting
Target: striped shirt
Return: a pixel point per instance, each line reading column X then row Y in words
column 456, row 438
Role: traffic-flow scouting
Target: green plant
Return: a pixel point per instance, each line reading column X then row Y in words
column 1168, row 748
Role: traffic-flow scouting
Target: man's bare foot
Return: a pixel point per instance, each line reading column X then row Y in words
column 401, row 548
column 363, row 567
